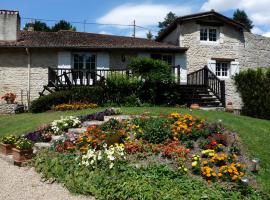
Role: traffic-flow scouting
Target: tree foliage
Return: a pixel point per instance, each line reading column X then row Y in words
column 169, row 19
column 149, row 35
column 151, row 70
column 38, row 26
column 63, row 25
column 241, row 16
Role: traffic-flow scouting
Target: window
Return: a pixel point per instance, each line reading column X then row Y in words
column 84, row 61
column 212, row 34
column 164, row 57
column 203, row 34
column 222, row 69
column 208, row 34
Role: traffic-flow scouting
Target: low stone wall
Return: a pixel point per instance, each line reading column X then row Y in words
column 11, row 108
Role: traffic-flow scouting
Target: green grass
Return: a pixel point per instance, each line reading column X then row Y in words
column 255, row 133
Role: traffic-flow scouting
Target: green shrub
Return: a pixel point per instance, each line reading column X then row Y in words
column 121, row 89
column 151, row 70
column 127, row 182
column 254, row 87
column 75, row 94
column 155, row 130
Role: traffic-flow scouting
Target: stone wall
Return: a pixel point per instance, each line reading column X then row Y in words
column 229, row 46
column 198, row 54
column 256, row 52
column 14, row 71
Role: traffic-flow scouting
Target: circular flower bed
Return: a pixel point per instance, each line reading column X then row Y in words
column 185, row 145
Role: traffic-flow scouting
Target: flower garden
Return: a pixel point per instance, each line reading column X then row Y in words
column 175, row 156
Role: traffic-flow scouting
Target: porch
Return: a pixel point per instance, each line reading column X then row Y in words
column 202, row 86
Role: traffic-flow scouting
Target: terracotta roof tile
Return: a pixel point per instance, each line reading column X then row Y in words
column 70, row 39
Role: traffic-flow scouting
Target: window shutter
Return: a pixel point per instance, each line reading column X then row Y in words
column 64, row 59
column 212, row 66
column 180, row 59
column 235, row 68
column 103, row 61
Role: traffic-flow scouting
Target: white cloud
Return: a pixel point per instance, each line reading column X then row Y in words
column 258, row 10
column 267, row 34
column 257, row 30
column 144, row 14
column 105, row 33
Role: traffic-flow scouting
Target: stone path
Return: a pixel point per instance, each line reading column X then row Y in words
column 25, row 184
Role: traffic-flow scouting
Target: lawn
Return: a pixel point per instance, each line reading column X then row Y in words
column 255, row 133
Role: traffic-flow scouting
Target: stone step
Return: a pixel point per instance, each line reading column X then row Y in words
column 120, row 117
column 77, row 130
column 57, row 138
column 41, row 146
column 92, row 123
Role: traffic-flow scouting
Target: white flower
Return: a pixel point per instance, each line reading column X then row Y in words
column 111, row 165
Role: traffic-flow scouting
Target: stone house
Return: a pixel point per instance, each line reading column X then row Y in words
column 220, row 43
column 26, row 55
column 191, row 42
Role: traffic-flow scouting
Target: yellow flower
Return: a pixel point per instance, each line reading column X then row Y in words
column 194, row 164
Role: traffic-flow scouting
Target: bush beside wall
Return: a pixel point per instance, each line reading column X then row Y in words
column 76, row 94
column 254, row 87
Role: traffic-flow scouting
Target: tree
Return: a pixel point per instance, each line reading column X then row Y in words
column 149, row 35
column 38, row 26
column 241, row 16
column 169, row 19
column 63, row 25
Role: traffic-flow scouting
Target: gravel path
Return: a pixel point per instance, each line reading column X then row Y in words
column 24, row 184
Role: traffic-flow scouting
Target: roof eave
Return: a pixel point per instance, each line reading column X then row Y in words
column 162, row 49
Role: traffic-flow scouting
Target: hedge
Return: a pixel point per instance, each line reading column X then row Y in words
column 76, row 94
column 254, row 87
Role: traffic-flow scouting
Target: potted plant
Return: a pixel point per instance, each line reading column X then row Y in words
column 23, row 150
column 194, row 106
column 229, row 107
column 9, row 97
column 7, row 143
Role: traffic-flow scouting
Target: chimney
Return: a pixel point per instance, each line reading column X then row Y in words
column 30, row 26
column 9, row 25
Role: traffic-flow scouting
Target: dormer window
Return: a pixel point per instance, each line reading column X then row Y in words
column 208, row 34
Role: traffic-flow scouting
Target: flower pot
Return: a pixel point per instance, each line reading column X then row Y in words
column 22, row 155
column 9, row 101
column 229, row 107
column 194, row 106
column 6, row 149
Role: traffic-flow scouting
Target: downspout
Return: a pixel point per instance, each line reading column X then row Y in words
column 29, row 75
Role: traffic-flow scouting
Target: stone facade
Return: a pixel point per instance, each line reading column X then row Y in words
column 256, row 51
column 14, row 71
column 246, row 48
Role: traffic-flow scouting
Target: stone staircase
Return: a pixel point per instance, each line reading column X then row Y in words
column 201, row 95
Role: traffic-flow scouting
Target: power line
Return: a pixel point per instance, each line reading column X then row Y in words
column 84, row 23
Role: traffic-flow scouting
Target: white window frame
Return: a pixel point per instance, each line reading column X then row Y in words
column 222, row 71
column 84, row 62
column 162, row 57
column 208, row 34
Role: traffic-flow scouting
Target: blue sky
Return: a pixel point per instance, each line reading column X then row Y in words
column 147, row 13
